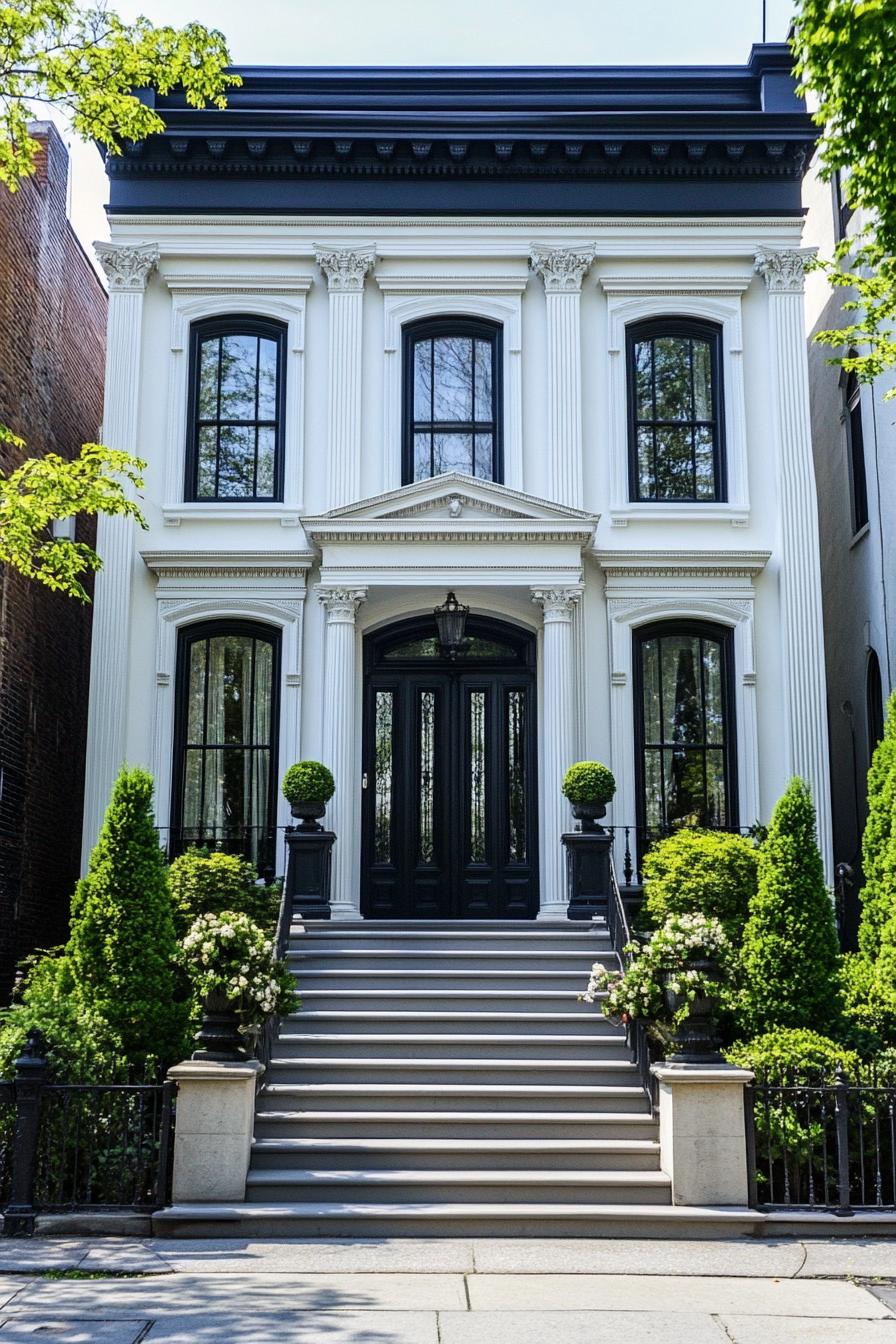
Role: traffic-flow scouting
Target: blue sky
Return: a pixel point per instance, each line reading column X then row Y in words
column 449, row 32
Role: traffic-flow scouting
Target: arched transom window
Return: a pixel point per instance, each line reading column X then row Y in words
column 452, row 399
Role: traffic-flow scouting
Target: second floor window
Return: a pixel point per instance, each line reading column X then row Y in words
column 856, row 441
column 452, row 399
column 236, row 410
column 675, row 414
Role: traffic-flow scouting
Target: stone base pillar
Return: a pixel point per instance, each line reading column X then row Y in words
column 214, row 1123
column 587, row 873
column 308, row 872
column 703, row 1144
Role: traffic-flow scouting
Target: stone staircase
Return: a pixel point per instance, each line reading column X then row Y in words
column 443, row 1078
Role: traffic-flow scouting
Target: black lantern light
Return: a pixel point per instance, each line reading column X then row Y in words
column 451, row 617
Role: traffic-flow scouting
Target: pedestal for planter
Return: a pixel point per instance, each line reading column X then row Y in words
column 213, row 1129
column 587, row 872
column 308, row 871
column 703, row 1146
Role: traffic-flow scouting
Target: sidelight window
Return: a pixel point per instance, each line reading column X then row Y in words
column 452, row 399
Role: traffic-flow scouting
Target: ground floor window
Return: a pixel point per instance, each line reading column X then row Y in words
column 685, row 727
column 225, row 739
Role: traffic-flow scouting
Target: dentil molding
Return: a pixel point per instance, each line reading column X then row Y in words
column 562, row 269
column 345, row 270
column 127, row 268
column 784, row 270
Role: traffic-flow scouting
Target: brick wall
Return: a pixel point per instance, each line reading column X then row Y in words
column 52, row 341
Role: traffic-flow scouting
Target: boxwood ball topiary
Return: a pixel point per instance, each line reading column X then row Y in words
column 308, row 782
column 711, row 873
column 589, row 782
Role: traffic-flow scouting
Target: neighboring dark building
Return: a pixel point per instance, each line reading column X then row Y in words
column 52, row 341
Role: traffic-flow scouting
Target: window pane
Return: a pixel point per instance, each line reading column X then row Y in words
column 452, row 452
column 422, row 457
column 206, row 465
column 516, row 776
column 484, row 458
column 650, row 663
column 192, row 809
column 423, row 380
column 685, row 785
column 712, row 691
column 236, row 462
column 264, row 481
column 196, row 691
column 705, row 462
column 382, row 814
column 716, row 813
column 674, row 464
column 267, row 379
column 453, row 378
column 207, row 404
column 673, row 377
column 264, row 688
column 483, row 400
column 682, row 711
column 653, row 788
column 477, row 776
column 644, row 380
column 646, row 478
column 702, row 380
column 427, row 722
column 239, row 375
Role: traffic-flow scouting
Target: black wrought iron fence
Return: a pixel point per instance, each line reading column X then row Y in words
column 821, row 1144
column 78, row 1147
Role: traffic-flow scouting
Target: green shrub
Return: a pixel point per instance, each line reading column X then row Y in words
column 869, row 1005
column 790, row 950
column 705, row 872
column 793, row 1053
column 122, row 945
column 80, row 1046
column 205, row 883
column 879, row 841
column 308, row 782
column 589, row 782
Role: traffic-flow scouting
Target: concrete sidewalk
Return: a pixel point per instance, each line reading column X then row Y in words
column 448, row 1292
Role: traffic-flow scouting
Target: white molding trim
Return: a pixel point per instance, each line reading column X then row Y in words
column 715, row 299
column 194, row 298
column 409, row 298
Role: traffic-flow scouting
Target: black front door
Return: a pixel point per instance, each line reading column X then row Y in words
column 449, row 814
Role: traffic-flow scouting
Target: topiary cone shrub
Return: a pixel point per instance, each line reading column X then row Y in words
column 790, row 953
column 879, row 841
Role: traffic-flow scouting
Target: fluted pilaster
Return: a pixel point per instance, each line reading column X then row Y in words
column 563, row 271
column 341, row 605
column 345, row 272
column 128, row 270
column 557, row 740
column 802, row 626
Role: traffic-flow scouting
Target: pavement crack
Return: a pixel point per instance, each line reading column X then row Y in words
column 467, row 1293
column 723, row 1327
column 802, row 1265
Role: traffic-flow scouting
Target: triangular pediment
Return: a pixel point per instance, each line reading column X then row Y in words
column 458, row 498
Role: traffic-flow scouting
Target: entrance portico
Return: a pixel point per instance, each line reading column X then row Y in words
column 510, row 556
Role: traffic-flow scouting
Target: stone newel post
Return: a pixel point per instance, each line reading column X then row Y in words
column 340, row 744
column 703, row 1143
column 558, row 741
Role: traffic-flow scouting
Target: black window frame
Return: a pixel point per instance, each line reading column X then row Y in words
column 187, row 636
column 431, row 328
column 236, row 324
column 874, row 703
column 724, row 637
column 855, row 439
column 695, row 328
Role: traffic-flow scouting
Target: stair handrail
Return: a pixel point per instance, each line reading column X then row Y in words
column 264, row 1044
column 639, row 1042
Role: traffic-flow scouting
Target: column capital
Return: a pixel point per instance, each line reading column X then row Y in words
column 784, row 269
column 345, row 270
column 557, row 603
column 563, row 269
column 341, row 604
column 127, row 268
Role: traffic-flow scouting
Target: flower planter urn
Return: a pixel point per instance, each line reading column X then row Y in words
column 219, row 1038
column 696, row 1039
column 589, row 814
column 308, row 815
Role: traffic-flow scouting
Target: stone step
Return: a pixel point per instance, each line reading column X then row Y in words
column 371, row 1154
column 457, row 1097
column 606, row 1038
column 310, row 1069
column 460, row 1186
column 293, row 1122
column 474, row 959
column 423, row 926
column 468, row 999
column 445, row 940
column 570, row 1022
column 569, row 982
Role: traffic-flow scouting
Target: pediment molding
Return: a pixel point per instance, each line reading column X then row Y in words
column 682, row 564
column 232, row 565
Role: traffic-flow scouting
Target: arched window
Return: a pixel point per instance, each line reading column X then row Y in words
column 225, row 754
column 452, row 399
column 874, row 702
column 856, row 443
column 236, row 410
column 676, row 440
column 685, row 727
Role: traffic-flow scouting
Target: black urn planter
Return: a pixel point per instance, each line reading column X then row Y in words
column 589, row 814
column 219, row 1038
column 309, row 815
column 696, row 1039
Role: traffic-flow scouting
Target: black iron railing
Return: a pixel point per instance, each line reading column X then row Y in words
column 644, row 1050
column 264, row 1045
column 821, row 1144
column 70, row 1147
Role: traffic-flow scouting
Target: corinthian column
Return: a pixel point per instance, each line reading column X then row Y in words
column 557, row 741
column 800, row 571
column 345, row 272
column 127, row 269
column 340, row 740
column 563, row 272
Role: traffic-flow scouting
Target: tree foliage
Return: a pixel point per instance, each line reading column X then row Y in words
column 46, row 488
column 844, row 57
column 91, row 65
column 790, row 951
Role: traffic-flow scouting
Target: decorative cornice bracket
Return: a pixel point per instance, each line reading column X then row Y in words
column 784, row 269
column 345, row 270
column 127, row 268
column 562, row 269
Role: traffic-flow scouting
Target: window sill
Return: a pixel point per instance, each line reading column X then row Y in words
column 860, row 535
column 680, row 513
column 175, row 514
